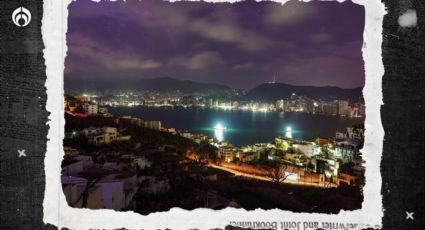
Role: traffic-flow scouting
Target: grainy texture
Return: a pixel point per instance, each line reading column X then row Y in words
column 23, row 118
column 403, row 117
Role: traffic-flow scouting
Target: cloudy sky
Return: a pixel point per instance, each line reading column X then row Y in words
column 240, row 45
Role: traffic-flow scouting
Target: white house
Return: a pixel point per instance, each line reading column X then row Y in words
column 102, row 135
column 90, row 108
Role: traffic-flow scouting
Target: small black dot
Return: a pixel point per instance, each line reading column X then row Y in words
column 21, row 21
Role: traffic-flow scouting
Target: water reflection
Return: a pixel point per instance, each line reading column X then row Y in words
column 288, row 132
column 281, row 115
column 219, row 132
column 244, row 127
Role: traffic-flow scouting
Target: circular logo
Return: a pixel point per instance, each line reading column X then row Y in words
column 21, row 17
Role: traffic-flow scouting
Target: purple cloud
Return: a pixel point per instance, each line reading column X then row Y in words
column 241, row 45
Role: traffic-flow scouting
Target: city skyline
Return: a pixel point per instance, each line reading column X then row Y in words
column 139, row 136
column 240, row 45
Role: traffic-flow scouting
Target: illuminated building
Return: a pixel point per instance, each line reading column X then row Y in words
column 90, row 108
column 156, row 125
column 83, row 98
column 102, row 135
column 280, row 105
column 343, row 108
column 102, row 110
column 210, row 103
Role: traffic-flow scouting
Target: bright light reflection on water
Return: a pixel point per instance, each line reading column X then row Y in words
column 219, row 132
column 288, row 132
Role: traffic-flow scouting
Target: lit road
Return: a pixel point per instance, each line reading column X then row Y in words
column 264, row 178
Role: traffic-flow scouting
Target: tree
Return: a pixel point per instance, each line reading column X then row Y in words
column 208, row 149
column 79, row 109
column 279, row 173
column 310, row 167
column 201, row 158
column 325, row 152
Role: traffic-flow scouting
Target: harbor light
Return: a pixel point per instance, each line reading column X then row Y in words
column 219, row 126
column 219, row 131
column 288, row 133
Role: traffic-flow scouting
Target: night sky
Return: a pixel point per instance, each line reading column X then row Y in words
column 240, row 45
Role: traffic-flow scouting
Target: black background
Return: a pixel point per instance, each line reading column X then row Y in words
column 23, row 118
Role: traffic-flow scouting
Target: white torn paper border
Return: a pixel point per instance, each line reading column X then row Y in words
column 57, row 212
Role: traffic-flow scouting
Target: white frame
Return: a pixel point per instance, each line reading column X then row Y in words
column 58, row 213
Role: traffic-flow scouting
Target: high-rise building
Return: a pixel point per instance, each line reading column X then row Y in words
column 280, row 105
column 335, row 108
column 210, row 103
column 235, row 105
column 90, row 108
column 342, row 107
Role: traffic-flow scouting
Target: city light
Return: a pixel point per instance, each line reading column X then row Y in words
column 210, row 125
column 225, row 107
column 291, row 176
column 219, row 132
column 295, row 103
column 288, row 133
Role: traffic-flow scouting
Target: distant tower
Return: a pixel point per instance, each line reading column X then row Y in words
column 273, row 81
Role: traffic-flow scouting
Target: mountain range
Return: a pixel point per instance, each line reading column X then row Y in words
column 264, row 92
column 155, row 84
